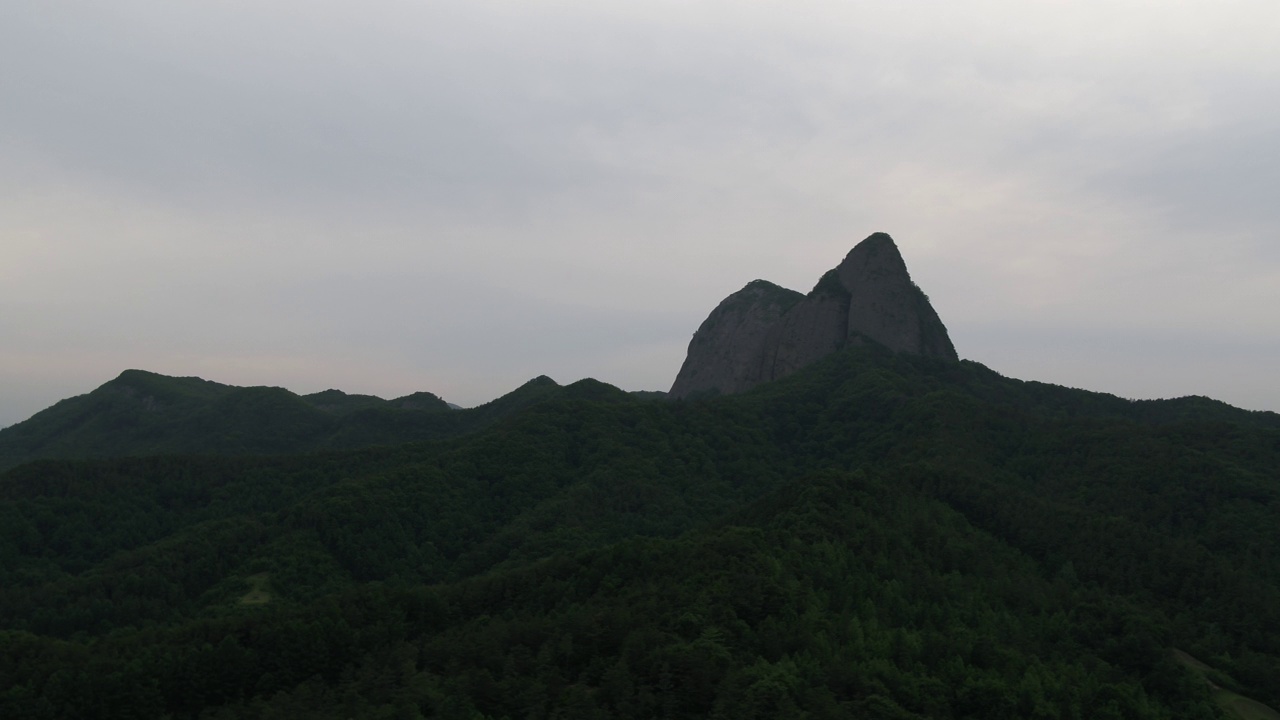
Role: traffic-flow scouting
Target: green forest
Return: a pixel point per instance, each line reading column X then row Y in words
column 876, row 536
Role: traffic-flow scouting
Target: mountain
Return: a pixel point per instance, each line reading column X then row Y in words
column 849, row 522
column 879, row 535
column 143, row 413
column 764, row 332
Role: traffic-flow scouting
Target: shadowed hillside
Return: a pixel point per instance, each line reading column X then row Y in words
column 877, row 535
column 142, row 413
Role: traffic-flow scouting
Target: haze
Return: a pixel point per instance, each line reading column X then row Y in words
column 386, row 197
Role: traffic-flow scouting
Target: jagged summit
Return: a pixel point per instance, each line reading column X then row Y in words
column 764, row 332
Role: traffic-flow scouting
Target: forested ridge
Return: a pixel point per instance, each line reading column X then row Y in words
column 877, row 536
column 142, row 413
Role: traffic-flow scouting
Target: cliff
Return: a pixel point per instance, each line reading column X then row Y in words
column 764, row 332
column 725, row 353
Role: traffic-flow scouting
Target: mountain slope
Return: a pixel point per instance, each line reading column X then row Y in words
column 877, row 535
column 142, row 413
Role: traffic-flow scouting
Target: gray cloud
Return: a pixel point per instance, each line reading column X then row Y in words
column 394, row 196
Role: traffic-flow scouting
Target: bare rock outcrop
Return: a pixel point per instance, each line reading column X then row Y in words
column 724, row 355
column 813, row 329
column 886, row 306
column 764, row 332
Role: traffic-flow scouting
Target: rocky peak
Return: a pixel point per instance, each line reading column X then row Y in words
column 764, row 332
column 724, row 355
column 886, row 306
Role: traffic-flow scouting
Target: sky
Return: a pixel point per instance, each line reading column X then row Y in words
column 393, row 196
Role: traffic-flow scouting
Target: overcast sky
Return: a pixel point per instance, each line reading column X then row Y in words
column 386, row 197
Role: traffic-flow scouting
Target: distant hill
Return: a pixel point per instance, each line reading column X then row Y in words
column 143, row 413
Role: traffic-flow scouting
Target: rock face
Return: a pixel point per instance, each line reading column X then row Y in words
column 764, row 332
column 885, row 306
column 725, row 353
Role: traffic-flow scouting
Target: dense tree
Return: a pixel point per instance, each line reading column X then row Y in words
column 877, row 536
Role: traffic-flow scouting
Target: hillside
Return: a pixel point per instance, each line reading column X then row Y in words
column 143, row 413
column 877, row 535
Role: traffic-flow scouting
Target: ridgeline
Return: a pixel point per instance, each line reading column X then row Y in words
column 878, row 533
